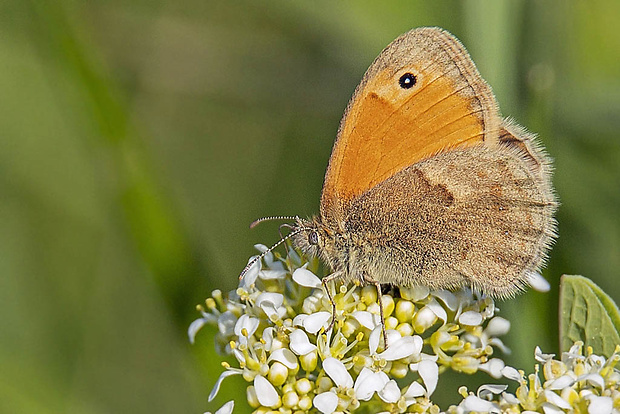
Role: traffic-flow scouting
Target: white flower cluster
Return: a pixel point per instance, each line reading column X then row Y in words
column 275, row 325
column 576, row 383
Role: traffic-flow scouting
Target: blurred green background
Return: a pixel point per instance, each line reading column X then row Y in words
column 140, row 138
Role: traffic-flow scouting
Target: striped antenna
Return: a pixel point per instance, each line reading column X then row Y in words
column 263, row 254
column 260, row 220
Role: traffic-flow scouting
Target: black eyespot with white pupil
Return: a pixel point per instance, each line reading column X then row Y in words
column 407, row 80
column 313, row 238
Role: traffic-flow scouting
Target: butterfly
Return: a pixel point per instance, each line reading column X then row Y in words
column 427, row 184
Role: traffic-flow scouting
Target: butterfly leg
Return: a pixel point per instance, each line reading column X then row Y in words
column 370, row 280
column 324, row 282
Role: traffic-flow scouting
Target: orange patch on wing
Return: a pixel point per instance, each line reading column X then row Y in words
column 385, row 131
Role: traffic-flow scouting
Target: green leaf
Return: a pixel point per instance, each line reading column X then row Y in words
column 587, row 314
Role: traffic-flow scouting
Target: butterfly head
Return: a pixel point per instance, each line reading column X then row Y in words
column 317, row 239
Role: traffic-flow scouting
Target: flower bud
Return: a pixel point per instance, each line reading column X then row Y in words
column 404, row 310
column 309, row 361
column 251, row 396
column 303, row 386
column 305, row 403
column 277, row 374
column 290, row 399
column 424, row 319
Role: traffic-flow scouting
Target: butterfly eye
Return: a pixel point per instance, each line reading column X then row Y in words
column 313, row 238
column 407, row 80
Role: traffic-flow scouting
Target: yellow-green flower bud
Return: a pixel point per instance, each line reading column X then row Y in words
column 369, row 295
column 404, row 310
column 303, row 386
column 391, row 322
column 405, row 329
column 290, row 399
column 350, row 327
column 251, row 396
column 309, row 361
column 399, row 370
column 305, row 403
column 388, row 305
column 324, row 384
column 277, row 374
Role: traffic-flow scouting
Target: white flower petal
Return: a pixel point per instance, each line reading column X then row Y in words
column 269, row 259
column 393, row 336
column 437, row 309
column 573, row 352
column 338, row 373
column 390, row 392
column 594, row 379
column 402, row 348
column 510, row 398
column 271, row 274
column 493, row 367
column 556, row 400
column 314, row 322
column 306, row 278
column 249, row 323
column 252, row 273
column 429, row 372
column 448, row 298
column 265, row 392
column 226, row 323
column 497, row 326
column 369, row 382
column 490, row 389
column 299, row 342
column 597, row 359
column 561, row 382
column 470, row 318
column 429, row 357
column 549, row 408
column 268, row 337
column 511, row 373
column 365, row 385
column 366, row 319
column 373, row 340
column 477, row 404
column 276, row 299
column 194, row 327
column 540, row 357
column 383, row 377
column 326, row 402
column 218, row 383
column 285, row 356
column 226, row 408
column 496, row 342
column 600, row 405
column 415, row 390
column 294, row 257
column 299, row 319
column 270, row 310
column 538, row 282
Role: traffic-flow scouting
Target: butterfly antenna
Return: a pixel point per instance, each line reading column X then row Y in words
column 260, row 220
column 263, row 254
